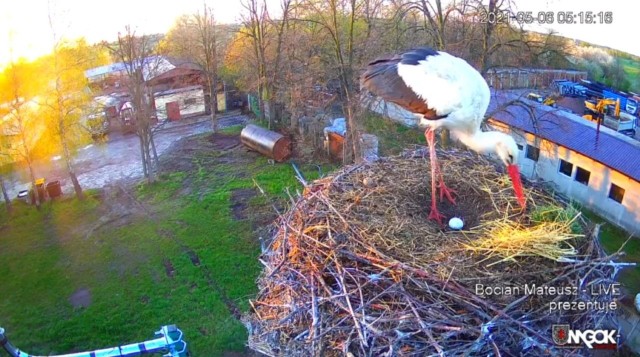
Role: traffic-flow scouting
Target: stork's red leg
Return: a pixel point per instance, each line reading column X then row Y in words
column 434, row 214
column 444, row 190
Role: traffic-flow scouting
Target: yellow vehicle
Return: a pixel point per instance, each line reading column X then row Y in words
column 600, row 107
column 607, row 112
column 550, row 101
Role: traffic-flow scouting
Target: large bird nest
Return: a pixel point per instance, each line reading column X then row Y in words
column 356, row 268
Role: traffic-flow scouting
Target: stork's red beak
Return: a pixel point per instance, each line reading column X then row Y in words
column 514, row 173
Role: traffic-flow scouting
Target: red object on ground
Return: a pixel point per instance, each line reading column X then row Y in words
column 336, row 144
column 514, row 173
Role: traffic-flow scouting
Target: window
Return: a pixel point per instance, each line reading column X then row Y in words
column 533, row 153
column 616, row 193
column 520, row 147
column 566, row 167
column 190, row 101
column 582, row 175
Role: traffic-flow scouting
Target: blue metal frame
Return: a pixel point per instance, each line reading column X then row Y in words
column 168, row 341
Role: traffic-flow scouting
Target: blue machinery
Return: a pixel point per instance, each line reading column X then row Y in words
column 168, row 341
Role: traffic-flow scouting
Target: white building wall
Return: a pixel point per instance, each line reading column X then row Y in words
column 191, row 101
column 595, row 195
column 392, row 111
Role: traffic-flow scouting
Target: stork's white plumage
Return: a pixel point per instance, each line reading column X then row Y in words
column 448, row 93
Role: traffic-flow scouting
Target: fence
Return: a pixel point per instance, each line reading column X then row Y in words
column 514, row 78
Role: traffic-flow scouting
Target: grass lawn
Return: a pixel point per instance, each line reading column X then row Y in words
column 612, row 238
column 632, row 70
column 393, row 137
column 176, row 256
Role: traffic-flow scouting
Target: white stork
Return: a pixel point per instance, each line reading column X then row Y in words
column 448, row 93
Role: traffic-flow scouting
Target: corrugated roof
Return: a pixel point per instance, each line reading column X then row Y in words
column 151, row 67
column 173, row 73
column 106, row 69
column 612, row 149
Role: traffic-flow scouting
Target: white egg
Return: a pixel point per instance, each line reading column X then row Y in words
column 456, row 223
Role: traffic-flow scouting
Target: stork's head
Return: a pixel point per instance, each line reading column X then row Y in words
column 507, row 150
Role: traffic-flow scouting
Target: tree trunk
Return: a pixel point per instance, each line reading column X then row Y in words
column 262, row 115
column 155, row 153
column 76, row 185
column 7, row 201
column 152, row 172
column 67, row 159
column 151, row 167
column 143, row 157
column 36, row 194
column 214, row 102
column 272, row 111
column 351, row 155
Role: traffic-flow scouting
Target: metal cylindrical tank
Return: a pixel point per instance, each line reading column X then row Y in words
column 266, row 142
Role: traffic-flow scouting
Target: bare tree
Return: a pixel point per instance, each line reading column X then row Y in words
column 337, row 20
column 205, row 24
column 137, row 54
column 325, row 44
column 255, row 28
column 434, row 19
column 196, row 38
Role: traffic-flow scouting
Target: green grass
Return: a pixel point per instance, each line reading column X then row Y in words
column 393, row 137
column 232, row 130
column 552, row 213
column 631, row 68
column 612, row 238
column 46, row 255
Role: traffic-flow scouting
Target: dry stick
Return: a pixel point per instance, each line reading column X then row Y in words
column 314, row 313
column 362, row 270
column 363, row 341
column 283, row 249
column 464, row 291
column 265, row 195
column 359, row 288
column 426, row 331
column 495, row 349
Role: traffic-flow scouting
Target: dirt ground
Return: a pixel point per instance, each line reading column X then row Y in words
column 120, row 206
column 117, row 159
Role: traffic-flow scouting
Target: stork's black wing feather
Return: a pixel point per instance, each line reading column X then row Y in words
column 382, row 79
column 417, row 54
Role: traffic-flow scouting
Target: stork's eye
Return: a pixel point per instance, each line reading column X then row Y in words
column 510, row 158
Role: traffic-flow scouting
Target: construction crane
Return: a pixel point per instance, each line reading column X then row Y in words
column 600, row 107
column 598, row 112
column 168, row 341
